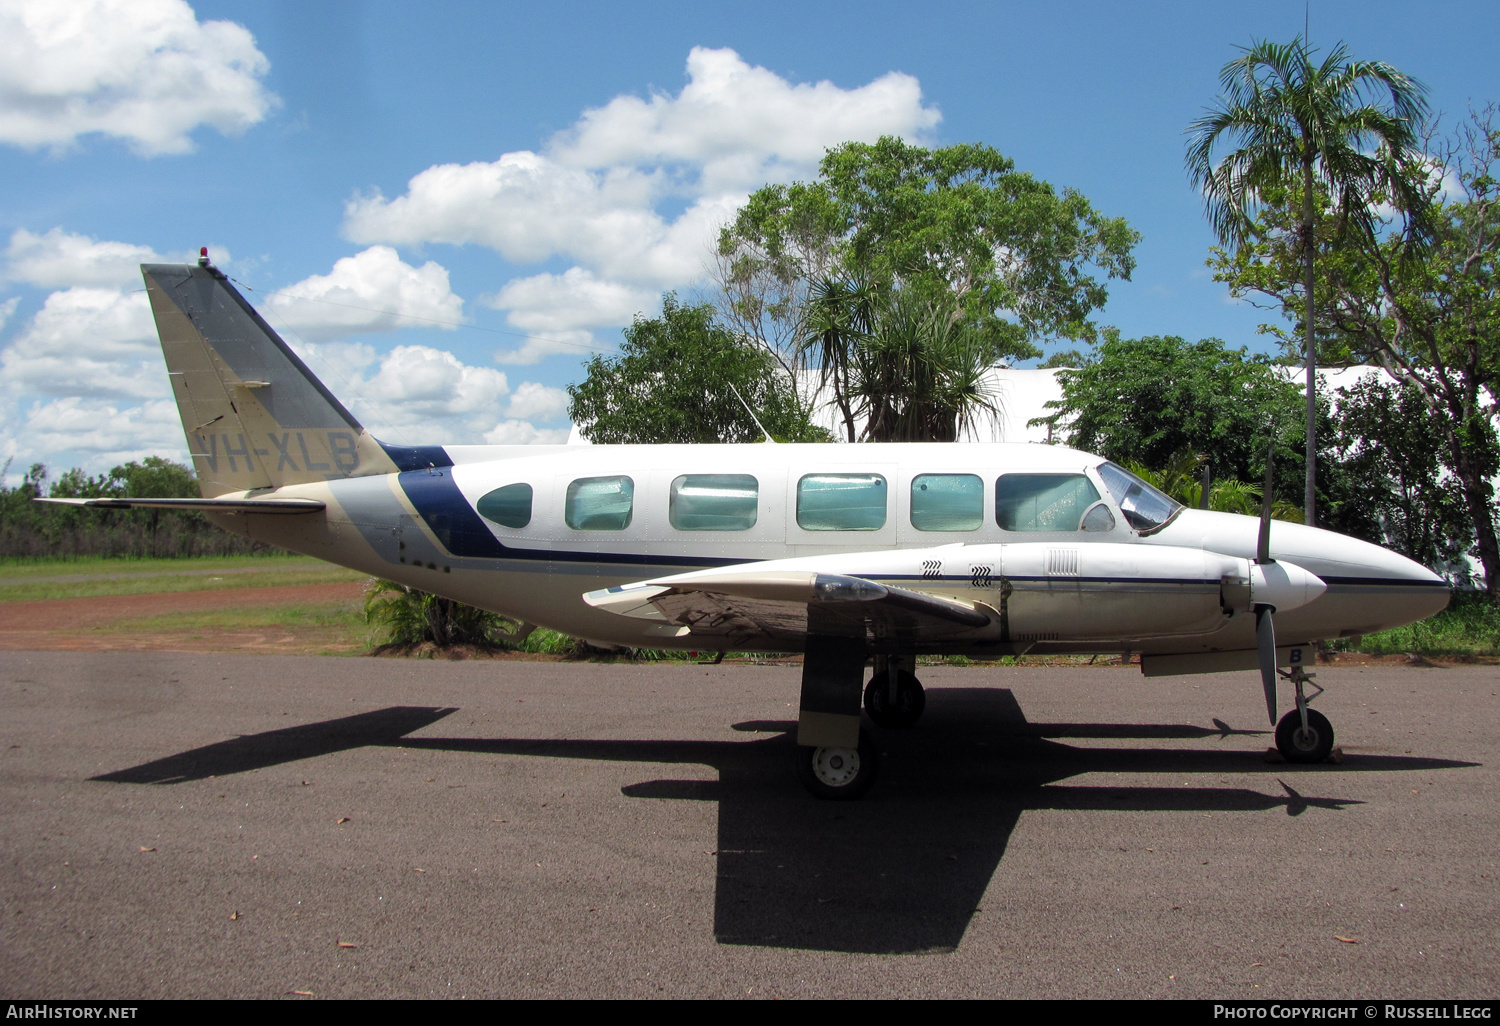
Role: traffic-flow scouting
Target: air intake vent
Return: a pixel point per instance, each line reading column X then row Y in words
column 1062, row 562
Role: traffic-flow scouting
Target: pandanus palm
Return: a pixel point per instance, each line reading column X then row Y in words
column 1299, row 127
column 911, row 367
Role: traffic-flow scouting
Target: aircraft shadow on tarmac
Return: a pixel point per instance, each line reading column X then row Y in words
column 902, row 871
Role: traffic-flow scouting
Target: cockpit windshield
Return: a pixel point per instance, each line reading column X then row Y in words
column 1146, row 508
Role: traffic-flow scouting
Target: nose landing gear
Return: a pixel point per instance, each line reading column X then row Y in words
column 1303, row 735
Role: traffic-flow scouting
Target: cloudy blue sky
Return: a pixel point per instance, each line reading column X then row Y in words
column 447, row 208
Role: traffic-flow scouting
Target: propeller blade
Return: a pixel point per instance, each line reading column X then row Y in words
column 1265, row 644
column 1263, row 547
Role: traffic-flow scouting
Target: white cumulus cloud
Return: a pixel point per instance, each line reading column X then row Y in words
column 8, row 308
column 525, row 206
column 87, row 342
column 607, row 194
column 98, row 433
column 739, row 126
column 146, row 71
column 371, row 291
column 533, row 401
column 60, row 259
column 537, row 348
column 417, row 394
column 574, row 299
column 520, row 432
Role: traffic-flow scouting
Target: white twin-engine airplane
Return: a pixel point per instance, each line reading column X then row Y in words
column 852, row 554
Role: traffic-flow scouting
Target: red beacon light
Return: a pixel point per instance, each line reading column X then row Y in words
column 203, row 256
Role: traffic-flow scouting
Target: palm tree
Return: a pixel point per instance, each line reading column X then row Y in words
column 914, row 369
column 840, row 318
column 1301, row 128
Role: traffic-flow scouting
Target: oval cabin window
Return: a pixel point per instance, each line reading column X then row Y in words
column 509, row 506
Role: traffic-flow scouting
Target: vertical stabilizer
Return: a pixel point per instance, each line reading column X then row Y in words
column 254, row 415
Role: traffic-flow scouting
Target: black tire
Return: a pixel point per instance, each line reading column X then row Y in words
column 1311, row 745
column 839, row 774
column 911, row 700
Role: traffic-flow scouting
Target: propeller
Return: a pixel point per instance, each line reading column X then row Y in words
column 1265, row 628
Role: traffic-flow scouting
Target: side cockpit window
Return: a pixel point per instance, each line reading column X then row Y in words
column 1146, row 508
column 713, row 502
column 508, row 506
column 1036, row 503
column 599, row 504
column 947, row 502
column 841, row 502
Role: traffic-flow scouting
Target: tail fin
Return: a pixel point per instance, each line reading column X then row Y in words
column 255, row 416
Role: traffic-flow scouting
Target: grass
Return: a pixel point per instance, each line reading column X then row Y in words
column 89, row 578
column 333, row 628
column 14, row 566
column 1470, row 626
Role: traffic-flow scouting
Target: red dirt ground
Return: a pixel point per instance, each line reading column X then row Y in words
column 86, row 624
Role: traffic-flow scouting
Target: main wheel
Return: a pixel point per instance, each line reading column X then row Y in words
column 905, row 711
column 1297, row 744
column 839, row 774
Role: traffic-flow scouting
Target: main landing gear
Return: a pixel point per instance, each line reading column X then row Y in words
column 1303, row 735
column 894, row 697
column 839, row 774
column 837, row 756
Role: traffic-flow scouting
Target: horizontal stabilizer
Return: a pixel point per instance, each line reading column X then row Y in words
column 201, row 505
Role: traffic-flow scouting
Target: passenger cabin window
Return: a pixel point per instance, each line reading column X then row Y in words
column 1043, row 502
column 947, row 502
column 599, row 503
column 841, row 502
column 509, row 506
column 713, row 502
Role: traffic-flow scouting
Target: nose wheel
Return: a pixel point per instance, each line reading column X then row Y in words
column 1310, row 743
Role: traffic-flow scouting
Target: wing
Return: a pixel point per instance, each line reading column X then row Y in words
column 773, row 603
column 201, row 505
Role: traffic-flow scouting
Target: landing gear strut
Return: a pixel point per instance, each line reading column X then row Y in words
column 1303, row 735
column 894, row 697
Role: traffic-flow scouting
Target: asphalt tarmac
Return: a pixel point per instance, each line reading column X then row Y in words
column 249, row 826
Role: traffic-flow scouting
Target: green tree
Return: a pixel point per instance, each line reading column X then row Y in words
column 1433, row 320
column 1146, row 400
column 33, row 529
column 911, row 368
column 1164, row 404
column 958, row 229
column 675, row 380
column 1335, row 126
column 1388, row 442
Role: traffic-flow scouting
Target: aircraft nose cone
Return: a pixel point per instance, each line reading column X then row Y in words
column 1404, row 590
